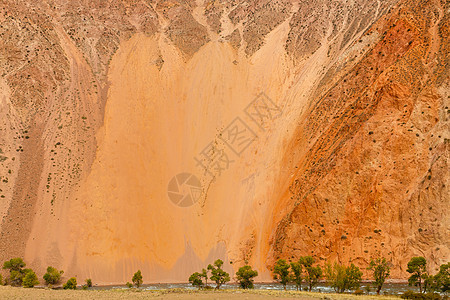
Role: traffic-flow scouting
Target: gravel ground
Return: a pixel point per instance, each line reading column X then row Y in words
column 7, row 292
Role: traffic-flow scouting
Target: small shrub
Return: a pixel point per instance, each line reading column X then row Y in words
column 407, row 295
column 71, row 284
column 30, row 279
column 53, row 276
column 16, row 271
column 15, row 277
column 129, row 285
column 15, row 264
column 89, row 282
column 196, row 280
column 87, row 285
column 420, row 296
column 358, row 292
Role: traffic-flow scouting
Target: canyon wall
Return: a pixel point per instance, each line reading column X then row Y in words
column 298, row 127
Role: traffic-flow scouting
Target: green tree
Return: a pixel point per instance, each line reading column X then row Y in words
column 218, row 275
column 15, row 277
column 137, row 279
column 53, row 276
column 354, row 276
column 71, row 284
column 89, row 282
column 245, row 276
column 196, row 280
column 381, row 270
column 335, row 275
column 417, row 267
column 297, row 274
column 307, row 261
column 15, row 264
column 313, row 274
column 204, row 274
column 429, row 283
column 281, row 272
column 30, row 279
column 16, row 271
column 442, row 279
column 343, row 278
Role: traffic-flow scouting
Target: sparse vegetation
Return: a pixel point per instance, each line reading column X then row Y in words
column 218, row 275
column 88, row 284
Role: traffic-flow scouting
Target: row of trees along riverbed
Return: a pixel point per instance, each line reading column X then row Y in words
column 304, row 271
column 340, row 277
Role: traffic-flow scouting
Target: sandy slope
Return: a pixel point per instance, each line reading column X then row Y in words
column 155, row 124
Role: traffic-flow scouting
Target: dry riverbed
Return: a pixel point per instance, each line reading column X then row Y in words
column 7, row 292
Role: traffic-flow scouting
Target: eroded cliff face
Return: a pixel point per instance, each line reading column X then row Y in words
column 372, row 151
column 314, row 128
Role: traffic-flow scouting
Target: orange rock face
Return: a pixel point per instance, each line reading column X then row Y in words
column 307, row 128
